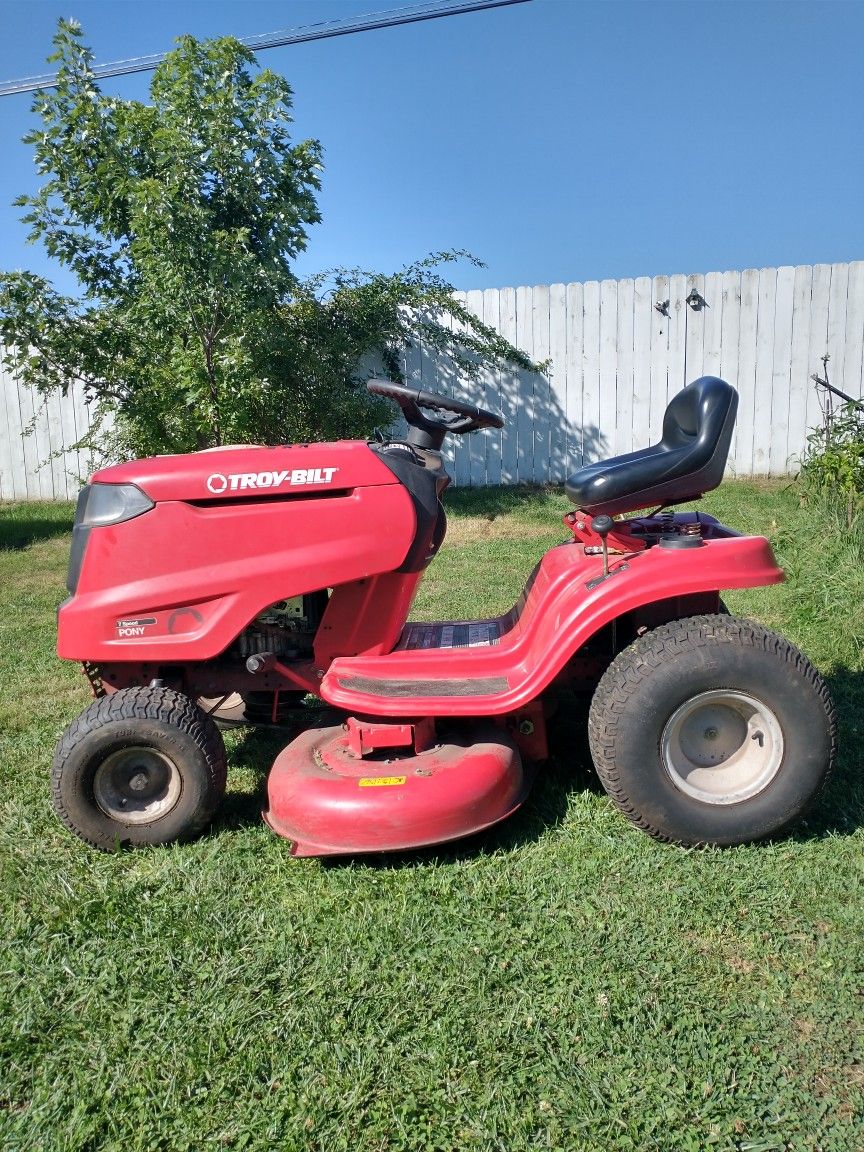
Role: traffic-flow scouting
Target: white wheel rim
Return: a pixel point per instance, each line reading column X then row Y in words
column 137, row 785
column 722, row 747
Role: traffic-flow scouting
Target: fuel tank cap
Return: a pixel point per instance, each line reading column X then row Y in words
column 673, row 540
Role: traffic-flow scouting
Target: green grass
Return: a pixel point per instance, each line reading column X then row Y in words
column 562, row 982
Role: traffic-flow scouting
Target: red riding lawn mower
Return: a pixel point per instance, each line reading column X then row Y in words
column 229, row 584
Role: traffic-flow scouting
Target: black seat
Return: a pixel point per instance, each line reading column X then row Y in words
column 689, row 460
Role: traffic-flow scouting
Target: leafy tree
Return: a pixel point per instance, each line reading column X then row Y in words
column 180, row 220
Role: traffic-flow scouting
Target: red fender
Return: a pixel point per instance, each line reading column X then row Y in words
column 563, row 606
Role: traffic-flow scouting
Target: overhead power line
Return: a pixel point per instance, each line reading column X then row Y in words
column 410, row 14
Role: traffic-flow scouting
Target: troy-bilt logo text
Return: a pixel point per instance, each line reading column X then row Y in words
column 238, row 481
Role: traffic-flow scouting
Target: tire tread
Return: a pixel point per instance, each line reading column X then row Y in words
column 164, row 705
column 647, row 654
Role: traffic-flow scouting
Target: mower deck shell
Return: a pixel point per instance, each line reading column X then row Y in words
column 329, row 801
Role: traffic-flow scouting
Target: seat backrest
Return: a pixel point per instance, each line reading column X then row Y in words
column 688, row 461
column 698, row 413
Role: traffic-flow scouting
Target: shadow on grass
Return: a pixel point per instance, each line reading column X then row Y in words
column 18, row 531
column 496, row 501
column 568, row 770
column 544, row 808
column 840, row 811
column 255, row 752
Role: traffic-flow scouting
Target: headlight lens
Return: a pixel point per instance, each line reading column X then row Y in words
column 110, row 504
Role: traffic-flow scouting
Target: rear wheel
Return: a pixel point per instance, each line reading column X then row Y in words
column 712, row 730
column 139, row 766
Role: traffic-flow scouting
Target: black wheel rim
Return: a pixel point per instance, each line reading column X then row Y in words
column 137, row 785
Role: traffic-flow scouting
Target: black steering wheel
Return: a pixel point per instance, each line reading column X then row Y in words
column 428, row 432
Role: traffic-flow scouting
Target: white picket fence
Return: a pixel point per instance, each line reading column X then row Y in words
column 617, row 351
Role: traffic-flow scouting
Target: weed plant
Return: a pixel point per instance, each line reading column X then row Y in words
column 832, row 467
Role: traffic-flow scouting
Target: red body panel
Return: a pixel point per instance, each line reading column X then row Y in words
column 331, row 802
column 250, row 472
column 181, row 581
column 366, row 617
column 559, row 611
column 177, row 584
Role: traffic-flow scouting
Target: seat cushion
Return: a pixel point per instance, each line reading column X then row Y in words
column 688, row 460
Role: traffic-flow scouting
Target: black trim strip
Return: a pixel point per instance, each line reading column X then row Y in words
column 275, row 498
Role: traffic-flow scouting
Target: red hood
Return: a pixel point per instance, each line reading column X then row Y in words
column 251, row 472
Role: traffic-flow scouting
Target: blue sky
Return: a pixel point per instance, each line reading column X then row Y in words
column 557, row 140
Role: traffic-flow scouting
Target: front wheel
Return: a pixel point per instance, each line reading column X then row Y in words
column 139, row 766
column 712, row 730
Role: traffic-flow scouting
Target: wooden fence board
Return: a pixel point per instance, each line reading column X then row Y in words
column 558, row 467
column 575, row 390
column 853, row 365
column 509, row 391
column 474, row 447
column 730, row 334
column 59, row 479
column 622, row 440
column 713, row 324
column 694, row 330
column 525, row 403
column 837, row 324
column 8, row 451
column 660, row 320
column 543, row 403
column 818, row 339
column 764, row 369
column 28, row 442
column 73, row 465
column 492, row 441
column 778, row 448
column 800, row 384
column 445, row 377
column 608, row 362
column 642, row 322
column 593, row 445
column 747, row 345
column 677, row 376
column 18, row 441
column 42, row 439
column 84, row 423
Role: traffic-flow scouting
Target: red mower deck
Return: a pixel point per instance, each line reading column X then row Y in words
column 330, row 801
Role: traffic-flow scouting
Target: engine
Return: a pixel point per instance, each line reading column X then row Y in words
column 287, row 628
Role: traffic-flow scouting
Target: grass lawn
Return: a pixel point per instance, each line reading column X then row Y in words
column 562, row 982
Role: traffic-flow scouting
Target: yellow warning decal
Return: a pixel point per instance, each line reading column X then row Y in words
column 381, row 781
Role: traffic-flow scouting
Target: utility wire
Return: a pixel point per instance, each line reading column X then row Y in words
column 409, row 14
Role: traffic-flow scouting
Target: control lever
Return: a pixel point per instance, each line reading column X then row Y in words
column 602, row 525
column 270, row 662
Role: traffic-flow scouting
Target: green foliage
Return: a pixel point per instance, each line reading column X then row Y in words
column 180, row 220
column 832, row 467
